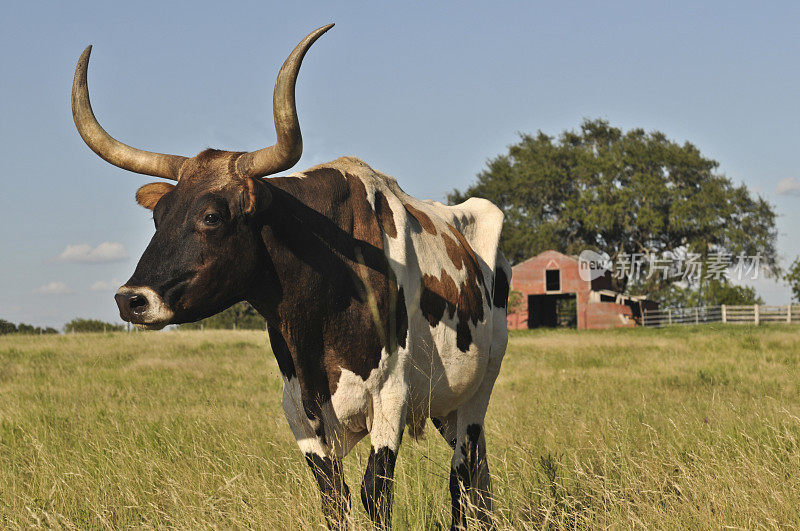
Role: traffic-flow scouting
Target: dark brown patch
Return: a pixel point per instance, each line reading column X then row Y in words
column 500, row 295
column 454, row 251
column 421, row 218
column 463, row 335
column 470, row 300
column 438, row 294
column 466, row 254
column 471, row 262
column 385, row 214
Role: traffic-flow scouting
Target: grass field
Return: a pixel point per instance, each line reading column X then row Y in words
column 680, row 427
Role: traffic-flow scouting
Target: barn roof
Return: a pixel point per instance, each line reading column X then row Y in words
column 573, row 257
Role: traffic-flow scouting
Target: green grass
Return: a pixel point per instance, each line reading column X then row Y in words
column 679, row 427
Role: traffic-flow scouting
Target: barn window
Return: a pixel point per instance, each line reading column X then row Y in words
column 552, row 280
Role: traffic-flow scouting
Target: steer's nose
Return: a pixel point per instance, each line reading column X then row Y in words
column 143, row 306
column 132, row 303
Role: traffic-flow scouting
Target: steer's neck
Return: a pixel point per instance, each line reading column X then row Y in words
column 325, row 275
column 306, row 232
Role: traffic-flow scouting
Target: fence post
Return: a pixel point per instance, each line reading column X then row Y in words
column 756, row 314
column 789, row 313
column 724, row 314
column 696, row 315
column 669, row 314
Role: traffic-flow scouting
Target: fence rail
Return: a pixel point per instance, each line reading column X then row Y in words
column 749, row 314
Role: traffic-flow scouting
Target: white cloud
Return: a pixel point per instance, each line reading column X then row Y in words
column 84, row 253
column 54, row 288
column 788, row 186
column 106, row 285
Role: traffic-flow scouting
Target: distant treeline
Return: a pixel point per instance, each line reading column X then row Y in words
column 91, row 325
column 7, row 327
column 76, row 325
column 240, row 316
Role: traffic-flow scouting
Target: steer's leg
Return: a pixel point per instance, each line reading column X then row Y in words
column 469, row 475
column 324, row 457
column 447, row 427
column 469, row 470
column 386, row 432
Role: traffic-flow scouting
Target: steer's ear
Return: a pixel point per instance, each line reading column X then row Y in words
column 256, row 197
column 149, row 194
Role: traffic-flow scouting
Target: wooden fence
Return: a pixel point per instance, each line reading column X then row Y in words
column 748, row 314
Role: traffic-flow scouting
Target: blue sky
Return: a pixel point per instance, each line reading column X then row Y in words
column 425, row 92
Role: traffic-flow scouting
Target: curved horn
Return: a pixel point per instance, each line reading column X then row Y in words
column 109, row 149
column 286, row 152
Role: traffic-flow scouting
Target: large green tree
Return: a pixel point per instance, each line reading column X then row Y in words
column 621, row 193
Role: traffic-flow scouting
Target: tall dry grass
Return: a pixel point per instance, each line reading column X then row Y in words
column 681, row 427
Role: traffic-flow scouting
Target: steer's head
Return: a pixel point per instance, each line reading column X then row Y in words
column 204, row 254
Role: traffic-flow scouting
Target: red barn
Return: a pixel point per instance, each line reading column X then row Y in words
column 554, row 294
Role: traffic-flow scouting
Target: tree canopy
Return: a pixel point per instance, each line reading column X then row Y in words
column 621, row 193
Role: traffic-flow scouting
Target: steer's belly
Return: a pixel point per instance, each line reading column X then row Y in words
column 442, row 377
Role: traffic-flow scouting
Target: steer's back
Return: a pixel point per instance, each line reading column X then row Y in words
column 455, row 284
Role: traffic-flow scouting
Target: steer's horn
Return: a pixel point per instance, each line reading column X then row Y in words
column 286, row 152
column 114, row 151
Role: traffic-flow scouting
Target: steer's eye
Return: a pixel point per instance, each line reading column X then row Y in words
column 212, row 219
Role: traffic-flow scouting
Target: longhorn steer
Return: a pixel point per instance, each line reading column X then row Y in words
column 382, row 310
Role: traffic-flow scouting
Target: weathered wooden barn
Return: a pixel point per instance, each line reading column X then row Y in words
column 554, row 294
